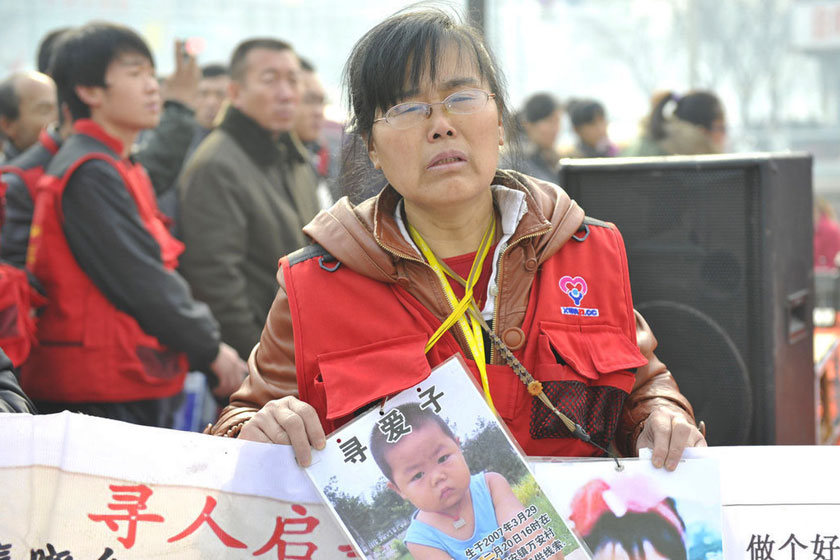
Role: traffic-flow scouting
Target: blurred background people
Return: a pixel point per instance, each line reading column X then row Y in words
column 212, row 93
column 589, row 122
column 826, row 235
column 23, row 171
column 120, row 327
column 689, row 124
column 309, row 128
column 27, row 105
column 540, row 119
column 162, row 149
column 247, row 191
column 46, row 47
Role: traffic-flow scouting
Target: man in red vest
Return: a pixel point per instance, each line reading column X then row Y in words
column 121, row 327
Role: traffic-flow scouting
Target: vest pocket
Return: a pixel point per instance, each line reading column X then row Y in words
column 587, row 372
column 352, row 378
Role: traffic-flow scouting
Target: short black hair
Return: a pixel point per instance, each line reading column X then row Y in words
column 634, row 528
column 46, row 48
column 214, row 70
column 415, row 417
column 400, row 51
column 306, row 65
column 237, row 59
column 540, row 106
column 584, row 111
column 9, row 98
column 82, row 57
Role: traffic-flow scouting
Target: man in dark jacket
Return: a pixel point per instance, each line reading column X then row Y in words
column 247, row 192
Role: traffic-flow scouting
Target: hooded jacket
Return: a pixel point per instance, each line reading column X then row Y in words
column 537, row 220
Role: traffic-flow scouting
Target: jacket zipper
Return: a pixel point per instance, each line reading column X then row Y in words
column 499, row 289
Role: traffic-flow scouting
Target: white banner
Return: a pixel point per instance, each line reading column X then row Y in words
column 74, row 486
column 88, row 488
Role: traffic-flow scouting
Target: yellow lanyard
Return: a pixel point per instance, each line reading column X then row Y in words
column 471, row 329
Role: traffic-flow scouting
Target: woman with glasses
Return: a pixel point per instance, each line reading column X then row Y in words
column 455, row 256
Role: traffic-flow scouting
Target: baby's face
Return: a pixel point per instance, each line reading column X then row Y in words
column 429, row 469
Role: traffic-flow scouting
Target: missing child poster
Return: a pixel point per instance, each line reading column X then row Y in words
column 431, row 471
column 640, row 511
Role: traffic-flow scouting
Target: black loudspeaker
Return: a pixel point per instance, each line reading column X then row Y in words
column 720, row 250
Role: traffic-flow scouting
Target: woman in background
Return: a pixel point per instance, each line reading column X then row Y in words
column 589, row 121
column 689, row 124
column 540, row 119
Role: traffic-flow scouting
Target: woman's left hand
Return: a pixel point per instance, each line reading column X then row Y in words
column 668, row 433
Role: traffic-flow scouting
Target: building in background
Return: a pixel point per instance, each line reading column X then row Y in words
column 815, row 28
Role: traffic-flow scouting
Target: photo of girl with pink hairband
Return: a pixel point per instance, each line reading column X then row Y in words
column 630, row 518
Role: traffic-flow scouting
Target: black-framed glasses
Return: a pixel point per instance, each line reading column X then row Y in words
column 408, row 115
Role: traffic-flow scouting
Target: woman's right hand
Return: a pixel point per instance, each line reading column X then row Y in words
column 288, row 421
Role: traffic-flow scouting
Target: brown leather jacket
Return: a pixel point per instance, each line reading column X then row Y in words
column 367, row 239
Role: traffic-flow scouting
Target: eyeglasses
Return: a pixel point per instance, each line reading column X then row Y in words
column 408, row 115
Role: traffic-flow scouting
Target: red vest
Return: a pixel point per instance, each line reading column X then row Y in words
column 358, row 340
column 17, row 297
column 17, row 324
column 88, row 350
column 32, row 167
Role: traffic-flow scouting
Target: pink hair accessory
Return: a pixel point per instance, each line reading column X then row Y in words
column 634, row 494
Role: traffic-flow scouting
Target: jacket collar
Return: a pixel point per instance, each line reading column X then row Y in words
column 368, row 238
column 514, row 201
column 91, row 128
column 50, row 139
column 253, row 138
column 683, row 137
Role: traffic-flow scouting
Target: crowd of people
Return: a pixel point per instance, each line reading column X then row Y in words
column 145, row 219
column 693, row 123
column 149, row 215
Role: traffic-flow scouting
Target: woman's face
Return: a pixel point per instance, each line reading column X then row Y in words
column 544, row 132
column 593, row 132
column 448, row 159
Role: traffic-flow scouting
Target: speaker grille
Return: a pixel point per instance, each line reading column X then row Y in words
column 705, row 273
column 686, row 236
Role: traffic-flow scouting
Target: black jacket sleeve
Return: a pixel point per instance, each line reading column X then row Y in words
column 12, row 397
column 112, row 245
column 14, row 236
column 163, row 153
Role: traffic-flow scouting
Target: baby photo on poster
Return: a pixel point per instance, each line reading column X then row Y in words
column 431, row 473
